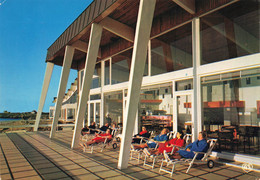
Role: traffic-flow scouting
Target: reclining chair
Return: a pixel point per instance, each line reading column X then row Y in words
column 153, row 158
column 139, row 152
column 102, row 145
column 204, row 160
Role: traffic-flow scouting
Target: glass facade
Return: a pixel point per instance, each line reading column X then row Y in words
column 231, row 110
column 107, row 72
column 121, row 65
column 184, row 114
column 184, row 85
column 96, row 81
column 113, row 107
column 230, row 102
column 230, row 32
column 71, row 114
column 156, row 107
column 172, row 51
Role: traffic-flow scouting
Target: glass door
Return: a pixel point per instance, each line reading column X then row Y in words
column 183, row 112
column 94, row 112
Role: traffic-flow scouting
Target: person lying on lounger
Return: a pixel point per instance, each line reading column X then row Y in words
column 99, row 138
column 89, row 130
column 167, row 146
column 161, row 138
column 200, row 145
column 142, row 134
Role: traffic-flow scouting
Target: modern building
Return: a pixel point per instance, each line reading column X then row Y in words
column 69, row 105
column 189, row 65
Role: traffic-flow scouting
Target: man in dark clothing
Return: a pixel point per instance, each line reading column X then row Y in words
column 105, row 127
column 198, row 146
column 89, row 130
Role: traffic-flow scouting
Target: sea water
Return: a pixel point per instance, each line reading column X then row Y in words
column 8, row 119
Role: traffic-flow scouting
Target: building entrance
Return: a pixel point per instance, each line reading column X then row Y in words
column 94, row 112
column 183, row 121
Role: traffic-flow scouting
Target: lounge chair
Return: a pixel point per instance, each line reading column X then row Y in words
column 154, row 158
column 138, row 152
column 204, row 160
column 102, row 145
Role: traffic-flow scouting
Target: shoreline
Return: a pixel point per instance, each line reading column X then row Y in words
column 21, row 124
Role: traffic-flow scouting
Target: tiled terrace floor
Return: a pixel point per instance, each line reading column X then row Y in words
column 34, row 156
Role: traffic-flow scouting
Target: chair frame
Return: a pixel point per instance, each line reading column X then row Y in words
column 154, row 158
column 173, row 162
column 139, row 152
column 102, row 144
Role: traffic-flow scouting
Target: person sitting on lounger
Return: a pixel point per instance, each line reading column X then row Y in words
column 200, row 145
column 99, row 138
column 161, row 138
column 167, row 146
column 142, row 134
column 105, row 127
column 89, row 130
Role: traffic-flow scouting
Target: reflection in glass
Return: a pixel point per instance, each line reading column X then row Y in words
column 231, row 111
column 184, row 114
column 121, row 64
column 97, row 114
column 71, row 113
column 184, row 85
column 91, row 112
column 156, row 107
column 107, row 72
column 230, row 32
column 172, row 51
column 113, row 107
column 96, row 81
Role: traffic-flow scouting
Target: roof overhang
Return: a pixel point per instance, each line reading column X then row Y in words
column 118, row 18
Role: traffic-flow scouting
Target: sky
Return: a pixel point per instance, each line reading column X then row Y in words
column 27, row 30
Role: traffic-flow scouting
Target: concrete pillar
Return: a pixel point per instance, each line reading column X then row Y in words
column 68, row 56
column 45, row 87
column 94, row 41
column 142, row 36
column 102, row 93
column 196, row 79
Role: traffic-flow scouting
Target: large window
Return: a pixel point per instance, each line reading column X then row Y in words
column 71, row 114
column 121, row 64
column 113, row 107
column 230, row 32
column 231, row 110
column 172, row 51
column 96, row 81
column 107, row 72
column 156, row 107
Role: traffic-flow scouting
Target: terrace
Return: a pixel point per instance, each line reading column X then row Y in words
column 33, row 155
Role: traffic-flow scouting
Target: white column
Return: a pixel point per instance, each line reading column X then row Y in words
column 94, row 112
column 89, row 111
column 68, row 56
column 93, row 47
column 142, row 35
column 102, row 93
column 45, row 87
column 149, row 58
column 175, row 104
column 136, row 123
column 196, row 111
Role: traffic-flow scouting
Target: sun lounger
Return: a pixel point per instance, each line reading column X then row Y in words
column 190, row 162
